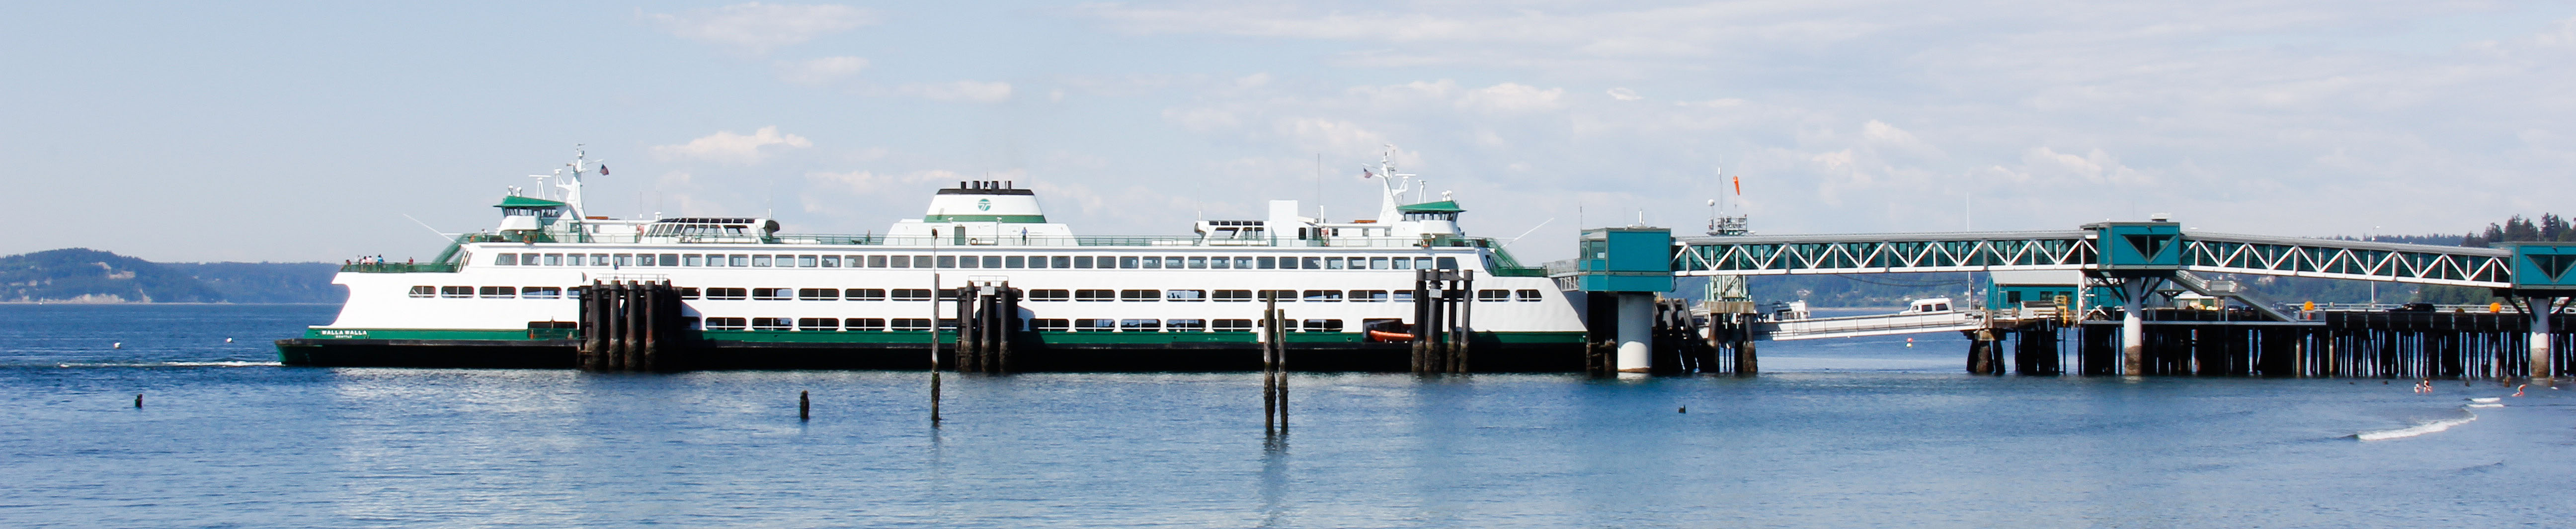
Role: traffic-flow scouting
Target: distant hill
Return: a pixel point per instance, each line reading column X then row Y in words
column 82, row 275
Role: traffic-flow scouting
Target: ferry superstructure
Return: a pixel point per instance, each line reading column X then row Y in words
column 754, row 296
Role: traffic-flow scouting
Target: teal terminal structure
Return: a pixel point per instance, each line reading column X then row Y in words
column 2132, row 258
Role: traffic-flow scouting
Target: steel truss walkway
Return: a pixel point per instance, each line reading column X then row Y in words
column 2142, row 248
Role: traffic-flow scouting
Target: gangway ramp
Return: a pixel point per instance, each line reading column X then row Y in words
column 1871, row 325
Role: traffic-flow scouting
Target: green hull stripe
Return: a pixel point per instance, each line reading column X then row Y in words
column 985, row 218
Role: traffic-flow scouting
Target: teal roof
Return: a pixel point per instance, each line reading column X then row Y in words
column 525, row 202
column 1444, row 206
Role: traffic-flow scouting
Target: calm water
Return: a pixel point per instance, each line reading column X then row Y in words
column 1862, row 433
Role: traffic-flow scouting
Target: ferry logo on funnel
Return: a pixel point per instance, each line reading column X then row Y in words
column 984, row 205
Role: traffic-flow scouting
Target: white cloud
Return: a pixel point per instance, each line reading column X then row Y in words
column 756, row 28
column 819, row 72
column 1624, row 94
column 962, row 91
column 726, row 146
column 1512, row 97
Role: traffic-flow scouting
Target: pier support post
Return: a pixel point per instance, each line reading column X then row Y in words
column 1636, row 332
column 2540, row 308
column 2133, row 324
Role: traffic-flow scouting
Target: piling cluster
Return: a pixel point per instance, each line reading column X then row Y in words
column 631, row 326
column 988, row 322
column 1443, row 308
column 1274, row 367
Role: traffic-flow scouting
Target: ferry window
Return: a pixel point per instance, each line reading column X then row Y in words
column 760, row 261
column 625, row 259
column 724, row 324
column 688, row 293
column 823, row 294
column 1323, row 325
column 947, row 261
column 1220, row 262
column 864, row 294
column 1126, row 262
column 1016, row 262
column 693, row 260
column 1333, row 263
column 670, row 259
column 455, row 292
column 1493, row 295
column 876, row 261
column 967, row 262
column 902, row 262
column 1324, row 296
column 552, row 259
column 1311, row 263
column 1172, row 262
column 1403, row 263
column 1233, row 325
column 1185, row 325
column 500, row 292
column 772, row 294
column 1529, row 294
column 1094, row 325
column 424, row 291
column 921, row 261
column 1267, row 263
column 1422, row 262
column 1140, row 325
column 505, row 259
column 1050, row 294
column 1242, row 263
column 831, row 261
column 1368, row 296
column 715, row 260
column 992, row 261
column 1185, row 295
column 912, row 294
column 863, row 324
column 771, row 324
column 1093, row 294
column 1156, row 262
column 1082, row 261
column 740, row 260
column 912, row 324
column 1403, row 296
column 1448, row 263
column 1061, row 262
column 1200, row 262
column 726, row 293
column 1379, row 263
column 1139, row 295
column 818, row 324
column 1234, row 295
column 1052, row 324
column 1283, row 296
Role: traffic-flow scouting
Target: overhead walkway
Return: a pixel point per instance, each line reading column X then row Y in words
column 2135, row 257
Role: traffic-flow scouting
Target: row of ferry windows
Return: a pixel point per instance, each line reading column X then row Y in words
column 1039, row 324
column 974, row 261
column 1041, row 294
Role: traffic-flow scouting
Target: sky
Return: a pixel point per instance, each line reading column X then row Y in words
column 279, row 131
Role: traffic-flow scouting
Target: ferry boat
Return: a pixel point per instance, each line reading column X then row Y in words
column 754, row 296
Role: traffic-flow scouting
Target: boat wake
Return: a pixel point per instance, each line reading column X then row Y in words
column 2416, row 430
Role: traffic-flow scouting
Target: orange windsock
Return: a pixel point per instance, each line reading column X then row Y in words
column 1739, row 185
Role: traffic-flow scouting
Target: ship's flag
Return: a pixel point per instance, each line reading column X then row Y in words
column 603, row 171
column 1365, row 174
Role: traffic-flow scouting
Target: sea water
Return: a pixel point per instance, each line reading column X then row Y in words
column 1847, row 433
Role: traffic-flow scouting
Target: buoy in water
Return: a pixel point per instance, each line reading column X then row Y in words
column 117, row 345
column 228, row 340
column 1909, row 342
column 1684, row 409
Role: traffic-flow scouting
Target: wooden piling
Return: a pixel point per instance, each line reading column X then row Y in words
column 804, row 406
column 138, row 401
